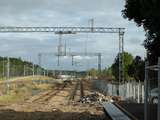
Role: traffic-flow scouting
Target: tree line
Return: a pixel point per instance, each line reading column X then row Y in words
column 145, row 13
column 133, row 69
column 17, row 67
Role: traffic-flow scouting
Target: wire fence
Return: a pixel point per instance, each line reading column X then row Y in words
column 130, row 91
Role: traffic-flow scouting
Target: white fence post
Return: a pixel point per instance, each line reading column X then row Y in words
column 158, row 89
column 138, row 92
column 146, row 92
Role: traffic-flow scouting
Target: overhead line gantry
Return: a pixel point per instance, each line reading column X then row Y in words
column 74, row 54
column 63, row 29
column 74, row 30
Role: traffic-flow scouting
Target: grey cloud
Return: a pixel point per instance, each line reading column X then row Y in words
column 66, row 13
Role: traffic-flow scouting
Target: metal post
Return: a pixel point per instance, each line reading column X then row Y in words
column 122, row 35
column 72, row 60
column 65, row 48
column 8, row 68
column 59, row 50
column 92, row 25
column 138, row 92
column 112, row 88
column 37, row 71
column 60, row 46
column 128, row 89
column 99, row 62
column 39, row 62
column 158, row 89
column 58, row 62
column 118, row 86
column 3, row 68
column 44, row 73
column 142, row 93
column 121, row 58
column 24, row 70
column 8, row 72
column 125, row 89
column 134, row 91
column 47, row 73
column 146, row 92
column 99, row 65
column 33, row 70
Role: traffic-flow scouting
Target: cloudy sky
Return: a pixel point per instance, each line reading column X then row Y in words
column 67, row 13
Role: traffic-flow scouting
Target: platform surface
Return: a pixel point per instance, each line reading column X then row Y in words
column 114, row 112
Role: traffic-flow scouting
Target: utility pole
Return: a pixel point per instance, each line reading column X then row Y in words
column 3, row 68
column 121, row 57
column 99, row 62
column 99, row 65
column 47, row 72
column 85, row 46
column 33, row 73
column 8, row 68
column 39, row 62
column 60, row 48
column 91, row 21
column 8, row 71
column 72, row 60
column 121, row 60
column 65, row 47
column 44, row 73
column 24, row 70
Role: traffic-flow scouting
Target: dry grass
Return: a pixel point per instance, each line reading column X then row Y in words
column 22, row 93
column 28, row 78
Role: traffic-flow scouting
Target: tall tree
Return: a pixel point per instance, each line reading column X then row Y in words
column 93, row 72
column 136, row 69
column 146, row 13
column 128, row 59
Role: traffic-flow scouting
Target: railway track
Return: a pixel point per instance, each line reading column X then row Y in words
column 81, row 89
column 55, row 92
column 49, row 94
column 77, row 91
column 74, row 91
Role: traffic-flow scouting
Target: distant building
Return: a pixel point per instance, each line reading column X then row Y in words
column 65, row 77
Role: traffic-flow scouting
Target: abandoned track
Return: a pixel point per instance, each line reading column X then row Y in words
column 73, row 91
column 81, row 89
column 53, row 104
column 77, row 91
column 49, row 94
